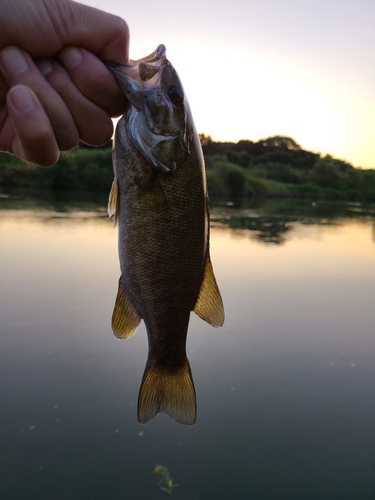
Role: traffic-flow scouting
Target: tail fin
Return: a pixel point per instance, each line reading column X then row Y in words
column 168, row 390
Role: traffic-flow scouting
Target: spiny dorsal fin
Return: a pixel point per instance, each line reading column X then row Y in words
column 209, row 305
column 168, row 390
column 113, row 202
column 125, row 319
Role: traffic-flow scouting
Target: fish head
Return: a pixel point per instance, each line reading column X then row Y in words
column 158, row 120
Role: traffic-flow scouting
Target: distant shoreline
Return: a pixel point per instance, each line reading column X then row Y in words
column 275, row 167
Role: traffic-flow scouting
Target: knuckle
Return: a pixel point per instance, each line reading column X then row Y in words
column 94, row 85
column 121, row 27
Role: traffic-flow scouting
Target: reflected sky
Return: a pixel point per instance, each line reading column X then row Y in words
column 286, row 389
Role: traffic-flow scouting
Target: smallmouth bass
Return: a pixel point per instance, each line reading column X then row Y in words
column 159, row 199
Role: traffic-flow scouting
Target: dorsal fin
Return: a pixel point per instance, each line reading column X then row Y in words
column 125, row 319
column 209, row 305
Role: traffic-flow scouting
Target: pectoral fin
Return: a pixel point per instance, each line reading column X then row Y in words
column 151, row 194
column 209, row 305
column 113, row 202
column 125, row 319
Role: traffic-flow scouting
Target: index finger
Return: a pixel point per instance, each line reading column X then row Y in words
column 43, row 27
column 104, row 34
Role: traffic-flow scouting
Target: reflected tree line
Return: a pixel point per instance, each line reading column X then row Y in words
column 273, row 222
column 265, row 229
column 267, row 221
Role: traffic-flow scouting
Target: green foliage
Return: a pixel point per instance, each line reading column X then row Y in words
column 83, row 169
column 232, row 176
column 166, row 479
column 278, row 167
column 281, row 143
column 272, row 167
column 241, row 158
column 216, row 186
column 211, row 160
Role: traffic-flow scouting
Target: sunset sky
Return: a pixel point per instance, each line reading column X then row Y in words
column 256, row 68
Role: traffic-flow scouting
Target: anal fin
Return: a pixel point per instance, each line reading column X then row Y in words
column 125, row 319
column 209, row 305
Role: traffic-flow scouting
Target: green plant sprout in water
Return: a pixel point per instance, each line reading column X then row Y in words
column 166, row 479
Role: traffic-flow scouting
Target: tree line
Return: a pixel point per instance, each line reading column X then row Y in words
column 279, row 167
column 273, row 167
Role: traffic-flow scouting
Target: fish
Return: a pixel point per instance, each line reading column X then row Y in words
column 159, row 200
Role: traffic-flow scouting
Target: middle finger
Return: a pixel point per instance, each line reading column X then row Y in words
column 93, row 79
column 94, row 124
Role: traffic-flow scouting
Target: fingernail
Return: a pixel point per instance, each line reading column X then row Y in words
column 44, row 65
column 21, row 99
column 71, row 57
column 13, row 61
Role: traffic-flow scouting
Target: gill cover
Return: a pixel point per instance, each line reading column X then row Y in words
column 157, row 118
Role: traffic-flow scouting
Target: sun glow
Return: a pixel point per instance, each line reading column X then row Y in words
column 252, row 70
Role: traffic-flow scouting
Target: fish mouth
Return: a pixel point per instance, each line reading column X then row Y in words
column 146, row 71
column 155, row 57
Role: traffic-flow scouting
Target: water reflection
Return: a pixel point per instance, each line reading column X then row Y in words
column 265, row 229
column 57, row 201
column 272, row 222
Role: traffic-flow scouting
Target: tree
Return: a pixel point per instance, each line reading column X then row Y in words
column 205, row 140
column 281, row 142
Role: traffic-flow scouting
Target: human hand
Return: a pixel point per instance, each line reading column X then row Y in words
column 54, row 88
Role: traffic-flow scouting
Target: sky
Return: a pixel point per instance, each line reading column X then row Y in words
column 252, row 69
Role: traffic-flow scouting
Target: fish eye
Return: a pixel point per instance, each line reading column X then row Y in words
column 176, row 94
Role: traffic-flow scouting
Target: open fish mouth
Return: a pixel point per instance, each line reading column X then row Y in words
column 142, row 70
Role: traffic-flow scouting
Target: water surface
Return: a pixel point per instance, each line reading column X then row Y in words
column 286, row 389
